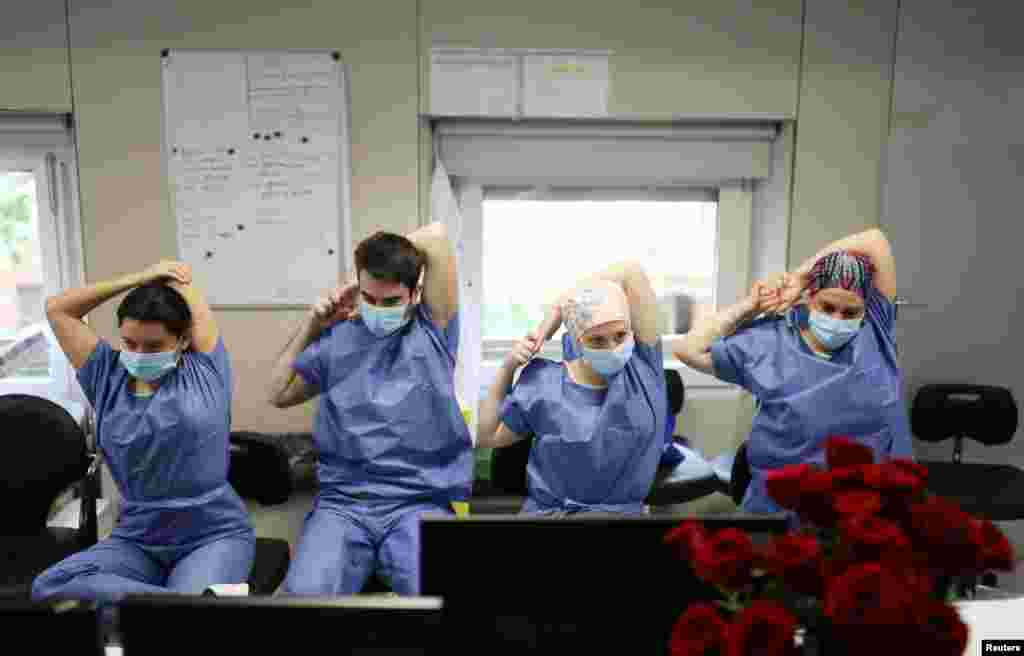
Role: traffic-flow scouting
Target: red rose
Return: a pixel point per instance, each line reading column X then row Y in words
column 869, row 594
column 857, row 502
column 937, row 629
column 950, row 537
column 996, row 551
column 783, row 484
column 796, row 559
column 726, row 559
column 911, row 467
column 890, row 478
column 871, row 536
column 842, row 451
column 848, row 478
column 686, row 538
column 815, row 504
column 698, row 631
column 763, row 627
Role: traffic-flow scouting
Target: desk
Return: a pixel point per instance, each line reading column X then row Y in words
column 991, row 619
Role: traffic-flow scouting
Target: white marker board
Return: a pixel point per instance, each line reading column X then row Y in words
column 256, row 146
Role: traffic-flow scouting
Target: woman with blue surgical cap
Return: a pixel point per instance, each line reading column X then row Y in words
column 822, row 363
column 597, row 420
column 163, row 416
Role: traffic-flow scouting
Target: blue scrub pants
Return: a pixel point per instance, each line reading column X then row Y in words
column 116, row 566
column 342, row 544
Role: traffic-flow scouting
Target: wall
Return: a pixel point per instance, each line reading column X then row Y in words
column 709, row 58
column 955, row 167
column 34, row 57
column 843, row 111
column 126, row 215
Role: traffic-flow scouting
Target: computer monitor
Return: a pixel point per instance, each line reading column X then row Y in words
column 342, row 626
column 583, row 581
column 60, row 628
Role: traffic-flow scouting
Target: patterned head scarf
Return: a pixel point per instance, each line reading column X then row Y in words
column 595, row 305
column 842, row 270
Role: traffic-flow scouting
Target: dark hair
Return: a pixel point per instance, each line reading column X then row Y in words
column 390, row 257
column 156, row 301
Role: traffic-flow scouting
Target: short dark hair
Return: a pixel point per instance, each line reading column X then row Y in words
column 390, row 257
column 156, row 301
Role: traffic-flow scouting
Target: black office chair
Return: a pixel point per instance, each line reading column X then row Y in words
column 45, row 452
column 260, row 471
column 508, row 470
column 982, row 413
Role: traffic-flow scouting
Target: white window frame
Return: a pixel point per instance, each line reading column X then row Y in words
column 752, row 192
column 43, row 145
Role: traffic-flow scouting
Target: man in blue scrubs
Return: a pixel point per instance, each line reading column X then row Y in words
column 826, row 366
column 380, row 353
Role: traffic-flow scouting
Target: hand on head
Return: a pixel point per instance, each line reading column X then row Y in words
column 169, row 271
column 339, row 304
column 523, row 352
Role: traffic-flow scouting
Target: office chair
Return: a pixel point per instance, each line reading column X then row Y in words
column 259, row 470
column 672, row 485
column 987, row 415
column 45, row 452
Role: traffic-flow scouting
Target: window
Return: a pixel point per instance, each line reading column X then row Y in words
column 702, row 204
column 536, row 244
column 40, row 255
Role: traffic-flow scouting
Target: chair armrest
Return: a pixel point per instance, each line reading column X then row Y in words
column 89, row 489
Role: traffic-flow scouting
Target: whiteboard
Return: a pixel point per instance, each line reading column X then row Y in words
column 256, row 148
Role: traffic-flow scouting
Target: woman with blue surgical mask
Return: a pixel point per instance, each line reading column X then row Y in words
column 821, row 360
column 163, row 417
column 597, row 420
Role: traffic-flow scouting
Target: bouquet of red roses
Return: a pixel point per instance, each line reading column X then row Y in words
column 874, row 565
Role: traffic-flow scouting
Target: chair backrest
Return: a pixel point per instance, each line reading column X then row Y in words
column 676, row 391
column 740, row 476
column 508, row 465
column 44, row 452
column 978, row 412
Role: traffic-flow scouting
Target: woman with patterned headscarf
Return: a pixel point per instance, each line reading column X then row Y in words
column 598, row 420
column 820, row 362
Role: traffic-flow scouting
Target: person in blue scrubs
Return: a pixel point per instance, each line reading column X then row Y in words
column 820, row 362
column 163, row 417
column 380, row 353
column 599, row 420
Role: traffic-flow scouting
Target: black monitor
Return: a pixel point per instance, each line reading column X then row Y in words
column 584, row 581
column 356, row 626
column 54, row 628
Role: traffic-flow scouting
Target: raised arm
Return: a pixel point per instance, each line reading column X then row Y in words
column 440, row 284
column 872, row 244
column 643, row 302
column 694, row 347
column 491, row 432
column 287, row 387
column 66, row 311
column 204, row 333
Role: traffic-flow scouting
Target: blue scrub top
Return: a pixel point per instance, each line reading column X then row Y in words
column 804, row 398
column 593, row 449
column 167, row 452
column 389, row 427
column 671, row 455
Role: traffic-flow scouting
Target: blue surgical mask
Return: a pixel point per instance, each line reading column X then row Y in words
column 831, row 332
column 149, row 366
column 383, row 321
column 608, row 362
